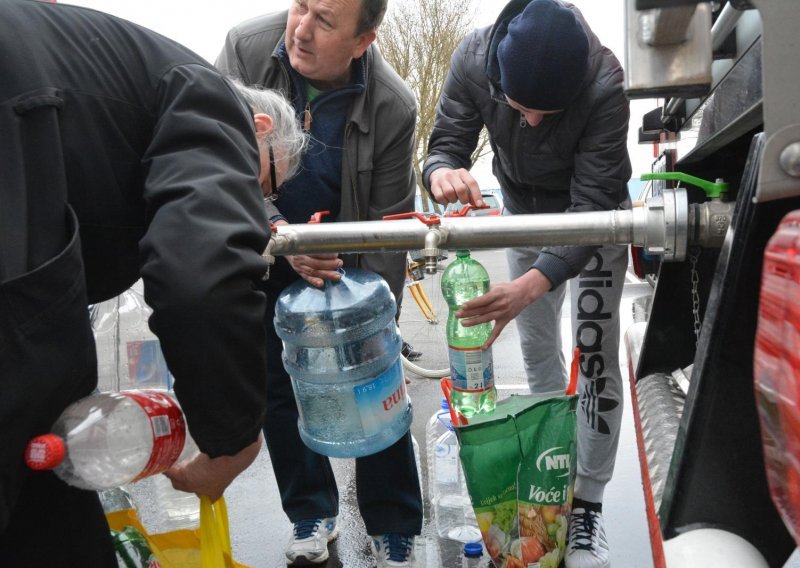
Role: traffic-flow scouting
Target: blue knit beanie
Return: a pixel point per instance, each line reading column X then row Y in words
column 544, row 57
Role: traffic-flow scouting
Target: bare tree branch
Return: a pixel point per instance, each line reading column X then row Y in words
column 418, row 38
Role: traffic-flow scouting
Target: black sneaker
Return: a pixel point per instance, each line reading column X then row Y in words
column 409, row 352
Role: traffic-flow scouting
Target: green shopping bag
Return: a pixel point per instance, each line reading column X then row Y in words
column 520, row 465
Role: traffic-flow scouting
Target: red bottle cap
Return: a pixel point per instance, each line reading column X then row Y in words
column 45, row 452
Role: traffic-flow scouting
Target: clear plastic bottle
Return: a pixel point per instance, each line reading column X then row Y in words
column 452, row 509
column 142, row 363
column 341, row 348
column 106, row 440
column 177, row 509
column 129, row 354
column 471, row 368
column 105, row 325
column 131, row 547
column 115, row 499
column 473, row 556
column 438, row 424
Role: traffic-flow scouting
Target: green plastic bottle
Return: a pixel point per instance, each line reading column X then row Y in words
column 471, row 368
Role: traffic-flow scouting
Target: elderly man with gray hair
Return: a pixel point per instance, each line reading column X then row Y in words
column 125, row 155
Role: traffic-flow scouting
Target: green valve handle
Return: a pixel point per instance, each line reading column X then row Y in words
column 712, row 189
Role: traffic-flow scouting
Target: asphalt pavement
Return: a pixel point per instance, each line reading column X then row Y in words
column 260, row 529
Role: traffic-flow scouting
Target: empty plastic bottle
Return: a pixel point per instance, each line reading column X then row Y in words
column 341, row 348
column 104, row 317
column 436, row 426
column 473, row 556
column 452, row 509
column 109, row 439
column 116, row 499
column 129, row 354
column 471, row 369
column 177, row 509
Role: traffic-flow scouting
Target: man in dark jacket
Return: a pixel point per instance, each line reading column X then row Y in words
column 551, row 97
column 361, row 117
column 122, row 155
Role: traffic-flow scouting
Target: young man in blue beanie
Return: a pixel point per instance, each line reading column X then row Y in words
column 551, row 97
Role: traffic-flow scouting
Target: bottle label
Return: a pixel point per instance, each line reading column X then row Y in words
column 147, row 367
column 168, row 426
column 446, row 456
column 471, row 368
column 382, row 401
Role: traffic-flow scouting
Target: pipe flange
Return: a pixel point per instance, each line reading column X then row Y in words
column 676, row 224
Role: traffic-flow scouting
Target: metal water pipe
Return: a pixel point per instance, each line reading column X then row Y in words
column 661, row 226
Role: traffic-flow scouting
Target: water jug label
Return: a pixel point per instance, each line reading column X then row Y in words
column 381, row 401
column 169, row 430
column 471, row 369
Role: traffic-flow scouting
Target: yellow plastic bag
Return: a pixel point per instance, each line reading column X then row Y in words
column 209, row 546
column 215, row 537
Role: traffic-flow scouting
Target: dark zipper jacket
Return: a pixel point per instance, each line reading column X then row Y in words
column 377, row 173
column 157, row 155
column 576, row 160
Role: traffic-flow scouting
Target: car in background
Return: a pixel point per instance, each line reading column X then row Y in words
column 492, row 197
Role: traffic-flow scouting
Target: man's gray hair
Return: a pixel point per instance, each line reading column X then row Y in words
column 286, row 137
column 372, row 12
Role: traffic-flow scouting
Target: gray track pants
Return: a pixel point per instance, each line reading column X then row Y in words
column 594, row 307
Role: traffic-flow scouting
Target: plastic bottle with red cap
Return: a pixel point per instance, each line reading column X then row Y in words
column 107, row 440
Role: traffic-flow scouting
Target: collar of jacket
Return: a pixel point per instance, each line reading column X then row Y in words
column 359, row 113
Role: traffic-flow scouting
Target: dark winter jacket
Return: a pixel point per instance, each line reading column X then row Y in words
column 377, row 174
column 576, row 160
column 155, row 152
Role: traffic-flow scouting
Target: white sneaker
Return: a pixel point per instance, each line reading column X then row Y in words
column 393, row 550
column 587, row 547
column 309, row 544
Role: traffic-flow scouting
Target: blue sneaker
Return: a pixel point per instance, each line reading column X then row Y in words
column 309, row 544
column 393, row 550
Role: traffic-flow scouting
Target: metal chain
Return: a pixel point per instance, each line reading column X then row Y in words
column 694, row 256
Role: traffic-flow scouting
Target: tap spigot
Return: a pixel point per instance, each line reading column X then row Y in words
column 267, row 254
column 431, row 250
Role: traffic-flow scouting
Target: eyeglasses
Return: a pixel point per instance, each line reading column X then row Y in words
column 273, row 181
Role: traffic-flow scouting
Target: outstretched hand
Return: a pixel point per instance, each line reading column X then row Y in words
column 504, row 302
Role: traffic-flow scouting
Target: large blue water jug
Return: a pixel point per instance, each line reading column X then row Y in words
column 341, row 348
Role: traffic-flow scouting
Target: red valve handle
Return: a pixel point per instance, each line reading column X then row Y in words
column 429, row 220
column 317, row 217
column 466, row 209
